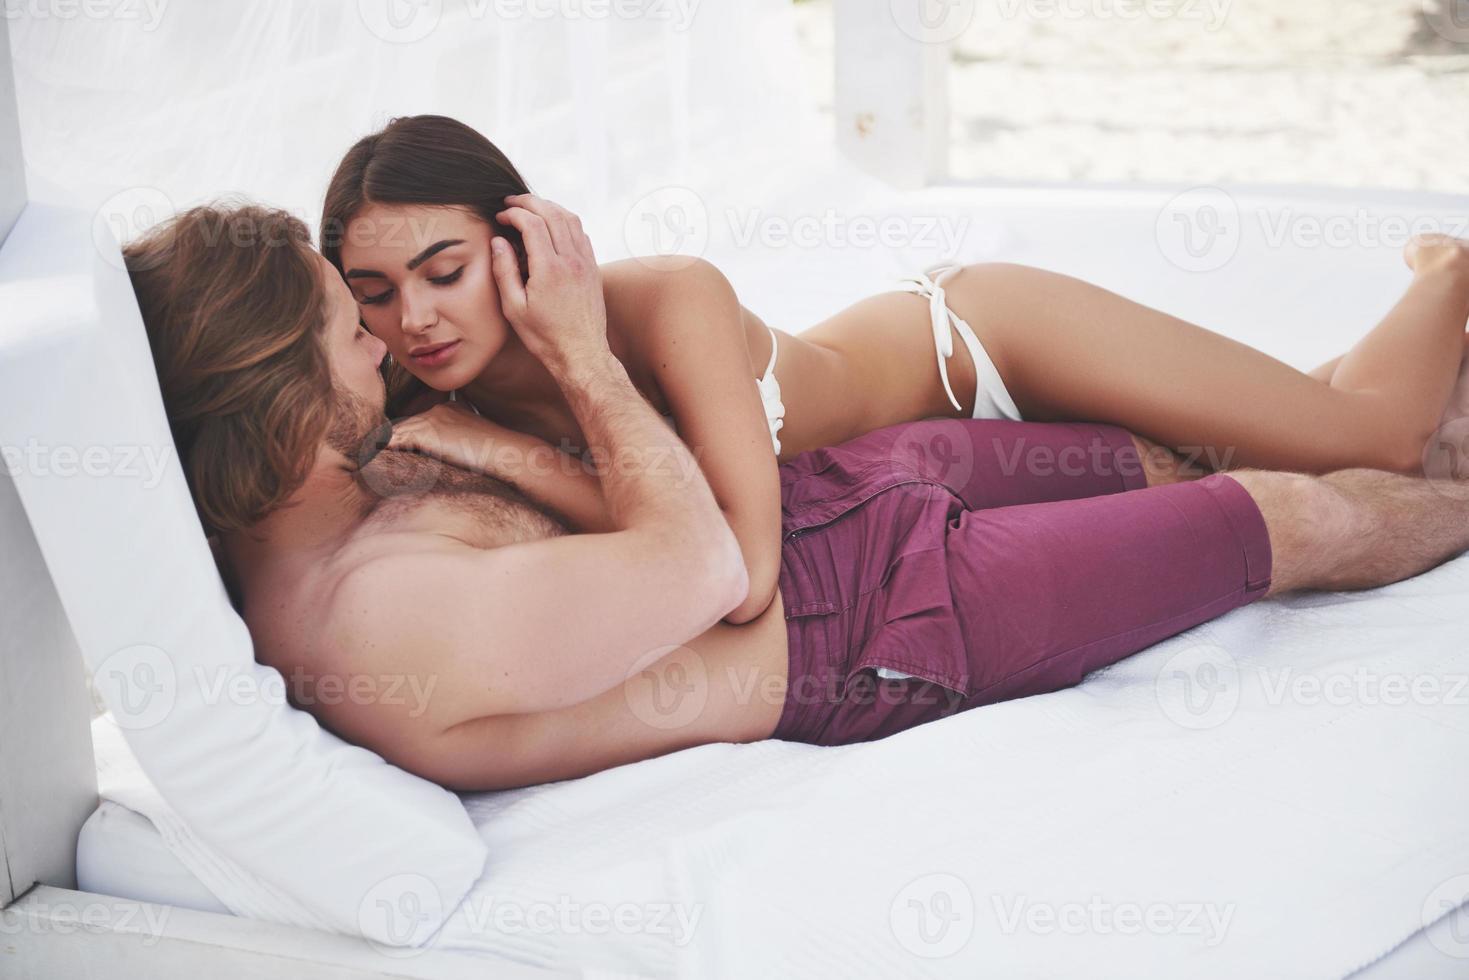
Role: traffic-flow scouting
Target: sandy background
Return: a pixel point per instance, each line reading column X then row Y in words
column 1340, row 92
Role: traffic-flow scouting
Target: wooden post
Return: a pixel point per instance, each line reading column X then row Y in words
column 892, row 72
column 12, row 164
column 48, row 780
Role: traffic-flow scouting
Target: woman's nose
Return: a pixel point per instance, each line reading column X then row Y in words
column 418, row 316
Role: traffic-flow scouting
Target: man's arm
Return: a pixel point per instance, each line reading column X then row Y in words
column 657, row 497
column 533, row 626
column 514, row 630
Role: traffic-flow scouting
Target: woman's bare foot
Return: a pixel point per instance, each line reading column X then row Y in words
column 1425, row 253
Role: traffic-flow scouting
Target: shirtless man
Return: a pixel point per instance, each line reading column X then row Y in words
column 566, row 622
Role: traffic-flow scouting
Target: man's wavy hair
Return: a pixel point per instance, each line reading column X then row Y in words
column 234, row 305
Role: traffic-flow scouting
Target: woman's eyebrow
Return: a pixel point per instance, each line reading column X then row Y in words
column 413, row 263
column 431, row 251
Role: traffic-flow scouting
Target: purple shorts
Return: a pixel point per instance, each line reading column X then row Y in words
column 989, row 560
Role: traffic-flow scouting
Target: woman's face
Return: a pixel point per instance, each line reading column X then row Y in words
column 422, row 281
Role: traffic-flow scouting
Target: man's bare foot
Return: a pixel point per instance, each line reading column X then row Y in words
column 1425, row 253
column 1446, row 457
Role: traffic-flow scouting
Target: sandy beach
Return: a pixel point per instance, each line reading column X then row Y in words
column 1368, row 93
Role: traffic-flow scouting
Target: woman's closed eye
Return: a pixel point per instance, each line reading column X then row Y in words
column 377, row 299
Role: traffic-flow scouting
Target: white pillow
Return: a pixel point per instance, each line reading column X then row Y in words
column 81, row 420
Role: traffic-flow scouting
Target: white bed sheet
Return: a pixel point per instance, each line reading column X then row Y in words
column 1326, row 831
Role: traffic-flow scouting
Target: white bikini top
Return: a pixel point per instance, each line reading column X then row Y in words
column 775, row 410
column 767, row 384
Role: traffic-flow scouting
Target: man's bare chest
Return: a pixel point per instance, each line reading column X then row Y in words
column 422, row 495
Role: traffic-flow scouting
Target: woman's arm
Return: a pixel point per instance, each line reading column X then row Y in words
column 552, row 478
column 681, row 319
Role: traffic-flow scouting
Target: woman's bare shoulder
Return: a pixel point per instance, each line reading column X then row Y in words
column 647, row 299
column 647, row 275
column 637, row 288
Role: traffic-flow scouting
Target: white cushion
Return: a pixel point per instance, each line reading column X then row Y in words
column 328, row 824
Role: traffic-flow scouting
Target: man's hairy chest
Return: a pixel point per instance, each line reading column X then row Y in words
column 420, row 494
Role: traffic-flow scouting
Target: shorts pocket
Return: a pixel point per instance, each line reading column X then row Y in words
column 916, row 632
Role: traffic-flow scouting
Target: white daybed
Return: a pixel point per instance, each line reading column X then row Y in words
column 1207, row 808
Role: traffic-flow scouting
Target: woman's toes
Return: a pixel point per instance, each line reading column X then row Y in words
column 1429, row 250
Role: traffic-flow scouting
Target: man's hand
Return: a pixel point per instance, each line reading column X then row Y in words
column 559, row 312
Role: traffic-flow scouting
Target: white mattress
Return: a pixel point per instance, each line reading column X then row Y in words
column 121, row 853
column 1331, row 833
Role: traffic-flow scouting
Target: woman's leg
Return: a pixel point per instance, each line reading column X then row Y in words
column 1070, row 350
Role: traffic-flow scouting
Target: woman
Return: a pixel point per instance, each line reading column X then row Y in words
column 409, row 219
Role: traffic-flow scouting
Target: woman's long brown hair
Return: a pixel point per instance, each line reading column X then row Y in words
column 419, row 160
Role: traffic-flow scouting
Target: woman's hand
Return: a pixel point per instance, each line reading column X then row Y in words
column 559, row 311
column 553, row 479
column 450, row 432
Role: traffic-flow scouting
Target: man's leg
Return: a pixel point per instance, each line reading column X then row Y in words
column 1356, row 529
column 995, row 463
column 1046, row 594
column 1026, row 599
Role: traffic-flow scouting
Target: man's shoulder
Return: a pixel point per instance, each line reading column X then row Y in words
column 357, row 641
column 369, row 581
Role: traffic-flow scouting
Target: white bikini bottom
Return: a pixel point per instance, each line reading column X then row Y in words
column 991, row 398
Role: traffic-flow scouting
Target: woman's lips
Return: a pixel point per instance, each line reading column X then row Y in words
column 435, row 356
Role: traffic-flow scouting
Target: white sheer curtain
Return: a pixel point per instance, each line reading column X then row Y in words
column 669, row 125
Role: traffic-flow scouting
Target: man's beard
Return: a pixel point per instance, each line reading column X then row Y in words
column 358, row 429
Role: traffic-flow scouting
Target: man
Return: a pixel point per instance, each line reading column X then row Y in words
column 926, row 569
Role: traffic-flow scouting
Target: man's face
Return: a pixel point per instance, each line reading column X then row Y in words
column 355, row 357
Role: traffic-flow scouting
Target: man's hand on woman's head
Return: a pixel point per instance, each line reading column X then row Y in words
column 558, row 311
